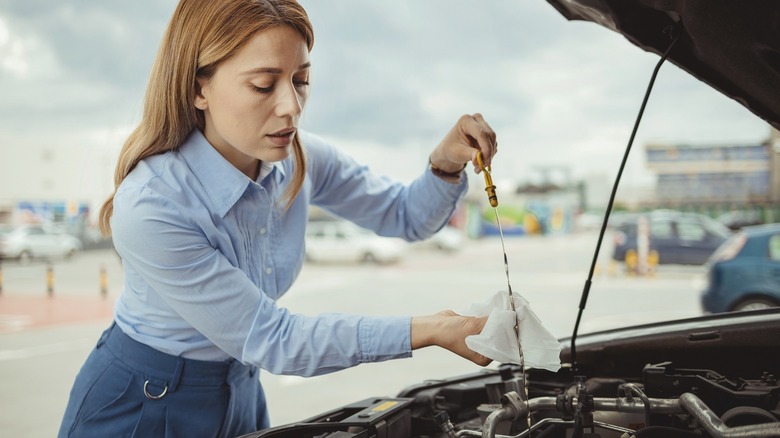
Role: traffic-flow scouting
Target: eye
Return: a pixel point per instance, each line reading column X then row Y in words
column 263, row 90
column 301, row 84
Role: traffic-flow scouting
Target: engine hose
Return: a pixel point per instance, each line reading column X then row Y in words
column 514, row 407
column 634, row 388
column 506, row 413
column 717, row 428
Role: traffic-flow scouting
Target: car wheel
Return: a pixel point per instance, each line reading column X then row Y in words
column 369, row 258
column 755, row 304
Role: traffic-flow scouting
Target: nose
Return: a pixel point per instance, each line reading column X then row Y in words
column 289, row 101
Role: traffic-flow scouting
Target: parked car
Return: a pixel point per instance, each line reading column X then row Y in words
column 708, row 376
column 27, row 242
column 341, row 241
column 674, row 237
column 744, row 273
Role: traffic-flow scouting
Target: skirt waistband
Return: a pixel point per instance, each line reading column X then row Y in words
column 174, row 370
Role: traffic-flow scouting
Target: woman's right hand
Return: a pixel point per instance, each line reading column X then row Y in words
column 448, row 330
column 471, row 134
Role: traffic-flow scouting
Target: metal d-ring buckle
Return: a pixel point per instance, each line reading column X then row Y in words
column 154, row 397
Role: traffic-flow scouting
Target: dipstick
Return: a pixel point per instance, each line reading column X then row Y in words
column 490, row 188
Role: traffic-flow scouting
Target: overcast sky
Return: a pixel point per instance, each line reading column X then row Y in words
column 389, row 78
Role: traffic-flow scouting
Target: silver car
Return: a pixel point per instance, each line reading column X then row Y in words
column 26, row 242
column 342, row 241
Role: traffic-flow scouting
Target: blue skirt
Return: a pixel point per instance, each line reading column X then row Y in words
column 128, row 389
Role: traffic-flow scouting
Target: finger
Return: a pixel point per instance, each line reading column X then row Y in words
column 481, row 360
column 491, row 137
column 484, row 137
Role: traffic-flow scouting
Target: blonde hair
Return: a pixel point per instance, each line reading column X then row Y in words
column 200, row 35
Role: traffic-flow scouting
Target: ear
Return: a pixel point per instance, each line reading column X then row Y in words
column 201, row 102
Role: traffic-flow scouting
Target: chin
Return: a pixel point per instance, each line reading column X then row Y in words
column 276, row 153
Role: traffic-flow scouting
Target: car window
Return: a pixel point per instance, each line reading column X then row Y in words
column 774, row 247
column 661, row 229
column 689, row 230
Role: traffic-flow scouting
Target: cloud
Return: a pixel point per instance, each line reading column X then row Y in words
column 401, row 71
column 387, row 74
column 75, row 67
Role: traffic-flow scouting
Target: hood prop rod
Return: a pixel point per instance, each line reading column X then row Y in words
column 674, row 32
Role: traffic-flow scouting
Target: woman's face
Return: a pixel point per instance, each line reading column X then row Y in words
column 253, row 102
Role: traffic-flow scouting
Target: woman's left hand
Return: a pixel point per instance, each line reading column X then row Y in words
column 449, row 330
column 471, row 134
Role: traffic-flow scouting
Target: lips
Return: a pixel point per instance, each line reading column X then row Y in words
column 282, row 137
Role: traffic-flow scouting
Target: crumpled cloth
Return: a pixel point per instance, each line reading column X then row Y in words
column 498, row 340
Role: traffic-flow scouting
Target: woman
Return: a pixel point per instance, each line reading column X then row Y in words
column 209, row 215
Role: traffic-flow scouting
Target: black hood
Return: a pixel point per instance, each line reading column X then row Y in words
column 732, row 45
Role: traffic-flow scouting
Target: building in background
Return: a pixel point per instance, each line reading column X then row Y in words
column 62, row 184
column 717, row 178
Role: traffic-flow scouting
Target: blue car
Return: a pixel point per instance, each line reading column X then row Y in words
column 744, row 272
column 676, row 237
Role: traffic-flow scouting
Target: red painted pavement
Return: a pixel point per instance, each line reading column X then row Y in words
column 19, row 313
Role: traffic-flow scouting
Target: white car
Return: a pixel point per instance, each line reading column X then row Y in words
column 341, row 241
column 26, row 242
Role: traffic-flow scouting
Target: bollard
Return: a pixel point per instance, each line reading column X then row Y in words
column 652, row 262
column 631, row 262
column 103, row 281
column 50, row 279
column 642, row 245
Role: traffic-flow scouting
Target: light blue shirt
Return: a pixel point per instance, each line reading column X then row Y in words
column 207, row 252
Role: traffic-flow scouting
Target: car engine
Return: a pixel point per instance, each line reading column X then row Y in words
column 714, row 376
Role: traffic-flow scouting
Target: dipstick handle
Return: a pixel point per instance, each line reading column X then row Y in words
column 490, row 188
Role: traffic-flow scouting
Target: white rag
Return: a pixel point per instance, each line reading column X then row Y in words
column 498, row 340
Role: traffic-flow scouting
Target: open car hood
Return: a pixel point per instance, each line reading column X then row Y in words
column 734, row 46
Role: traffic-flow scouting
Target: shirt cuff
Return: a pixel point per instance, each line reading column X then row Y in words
column 450, row 177
column 448, row 192
column 385, row 338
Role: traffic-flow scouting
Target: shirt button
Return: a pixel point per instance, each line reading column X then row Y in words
column 268, row 271
column 262, row 230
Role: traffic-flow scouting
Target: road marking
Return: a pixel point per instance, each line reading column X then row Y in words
column 46, row 350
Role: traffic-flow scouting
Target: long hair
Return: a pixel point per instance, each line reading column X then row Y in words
column 200, row 35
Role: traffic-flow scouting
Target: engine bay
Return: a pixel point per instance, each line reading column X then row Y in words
column 713, row 376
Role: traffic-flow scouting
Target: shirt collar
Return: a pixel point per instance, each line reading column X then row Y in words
column 266, row 168
column 223, row 183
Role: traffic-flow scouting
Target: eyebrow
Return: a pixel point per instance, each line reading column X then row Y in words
column 274, row 70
